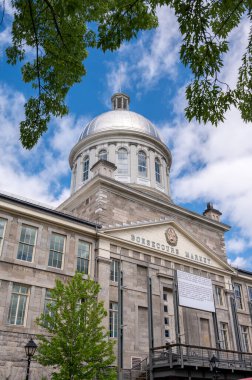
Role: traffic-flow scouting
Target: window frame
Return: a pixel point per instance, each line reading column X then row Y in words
column 86, row 162
column 219, row 295
column 142, row 167
column 245, row 338
column 20, row 306
column 158, row 176
column 113, row 319
column 3, row 235
column 84, row 260
column 25, row 244
column 122, row 163
column 224, row 335
column 238, row 295
column 114, row 270
column 57, row 252
column 103, row 152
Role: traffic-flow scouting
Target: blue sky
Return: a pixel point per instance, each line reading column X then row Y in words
column 209, row 164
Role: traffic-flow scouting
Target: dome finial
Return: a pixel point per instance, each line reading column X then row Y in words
column 120, row 101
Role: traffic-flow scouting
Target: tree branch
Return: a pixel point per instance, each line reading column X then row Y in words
column 37, row 46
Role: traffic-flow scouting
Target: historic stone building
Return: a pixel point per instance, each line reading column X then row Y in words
column 177, row 309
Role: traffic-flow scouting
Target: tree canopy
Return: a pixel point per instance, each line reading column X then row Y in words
column 61, row 31
column 79, row 346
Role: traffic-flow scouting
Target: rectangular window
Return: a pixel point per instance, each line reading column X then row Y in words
column 19, row 297
column 224, row 336
column 165, row 309
column 167, row 333
column 48, row 299
column 2, row 231
column 238, row 296
column 165, row 296
column 166, row 321
column 83, row 257
column 250, row 293
column 113, row 319
column 245, row 338
column 26, row 243
column 57, row 245
column 219, row 296
column 114, row 270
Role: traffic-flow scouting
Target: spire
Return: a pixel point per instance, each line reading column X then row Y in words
column 120, row 101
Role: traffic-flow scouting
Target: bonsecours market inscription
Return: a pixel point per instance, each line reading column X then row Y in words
column 169, row 249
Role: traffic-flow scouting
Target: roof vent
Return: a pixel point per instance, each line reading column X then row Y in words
column 120, row 101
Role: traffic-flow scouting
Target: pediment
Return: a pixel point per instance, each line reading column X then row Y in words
column 171, row 240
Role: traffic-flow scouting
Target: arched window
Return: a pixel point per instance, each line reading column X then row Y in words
column 85, row 168
column 157, row 170
column 103, row 155
column 122, row 161
column 142, row 164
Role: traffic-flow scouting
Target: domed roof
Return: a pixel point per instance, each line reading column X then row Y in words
column 119, row 119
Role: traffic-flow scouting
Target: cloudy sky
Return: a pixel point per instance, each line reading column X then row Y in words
column 209, row 163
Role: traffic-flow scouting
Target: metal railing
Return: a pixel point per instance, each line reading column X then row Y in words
column 175, row 355
column 138, row 372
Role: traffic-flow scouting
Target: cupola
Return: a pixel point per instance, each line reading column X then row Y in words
column 120, row 101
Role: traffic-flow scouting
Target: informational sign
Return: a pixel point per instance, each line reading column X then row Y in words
column 195, row 291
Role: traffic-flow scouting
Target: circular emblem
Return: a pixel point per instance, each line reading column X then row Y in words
column 171, row 236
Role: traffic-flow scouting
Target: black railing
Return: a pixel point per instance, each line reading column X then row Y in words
column 181, row 355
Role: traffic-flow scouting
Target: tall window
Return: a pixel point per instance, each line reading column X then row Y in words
column 219, row 296
column 224, row 335
column 83, row 256
column 57, row 244
column 157, row 170
column 19, row 297
column 85, row 168
column 114, row 270
column 113, row 319
column 245, row 338
column 103, row 155
column 2, row 230
column 142, row 164
column 48, row 299
column 122, row 161
column 238, row 296
column 250, row 293
column 26, row 243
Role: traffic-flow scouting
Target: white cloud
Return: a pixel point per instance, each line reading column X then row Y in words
column 36, row 174
column 236, row 245
column 214, row 164
column 239, row 262
column 155, row 55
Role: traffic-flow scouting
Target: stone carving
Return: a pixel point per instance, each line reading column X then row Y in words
column 171, row 236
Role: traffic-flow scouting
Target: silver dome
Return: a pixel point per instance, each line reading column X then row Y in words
column 120, row 120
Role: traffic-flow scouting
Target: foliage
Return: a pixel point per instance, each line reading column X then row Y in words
column 61, row 31
column 79, row 346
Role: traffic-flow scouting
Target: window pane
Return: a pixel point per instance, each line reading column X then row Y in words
column 85, row 168
column 83, row 256
column 157, row 170
column 2, row 229
column 103, row 154
column 18, row 304
column 142, row 168
column 26, row 243
column 114, row 270
column 122, row 162
column 113, row 319
column 56, row 251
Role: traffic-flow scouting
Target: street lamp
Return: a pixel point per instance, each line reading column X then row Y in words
column 213, row 364
column 30, row 349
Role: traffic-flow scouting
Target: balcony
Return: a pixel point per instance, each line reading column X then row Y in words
column 182, row 361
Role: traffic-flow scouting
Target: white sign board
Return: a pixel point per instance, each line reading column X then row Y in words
column 195, row 291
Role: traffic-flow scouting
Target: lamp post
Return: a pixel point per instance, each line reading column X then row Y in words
column 30, row 349
column 213, row 364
